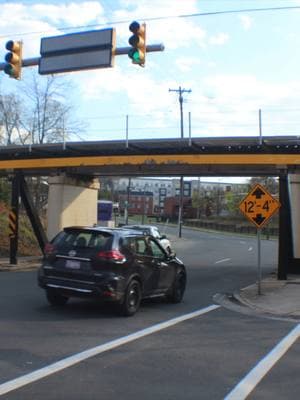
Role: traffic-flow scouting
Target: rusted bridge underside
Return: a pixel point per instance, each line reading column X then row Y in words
column 242, row 156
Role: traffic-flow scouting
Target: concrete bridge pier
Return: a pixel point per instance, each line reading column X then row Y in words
column 294, row 188
column 71, row 201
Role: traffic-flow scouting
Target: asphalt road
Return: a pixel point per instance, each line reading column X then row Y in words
column 205, row 354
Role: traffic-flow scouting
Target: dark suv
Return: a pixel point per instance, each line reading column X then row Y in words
column 119, row 265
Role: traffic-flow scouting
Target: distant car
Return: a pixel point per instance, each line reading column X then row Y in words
column 153, row 231
column 118, row 265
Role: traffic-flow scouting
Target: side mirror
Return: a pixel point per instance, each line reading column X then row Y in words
column 172, row 255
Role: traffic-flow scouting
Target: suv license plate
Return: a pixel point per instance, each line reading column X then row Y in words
column 73, row 264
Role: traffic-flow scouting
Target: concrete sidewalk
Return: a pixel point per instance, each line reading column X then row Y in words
column 278, row 298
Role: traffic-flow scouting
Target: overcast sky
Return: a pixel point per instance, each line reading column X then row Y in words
column 234, row 63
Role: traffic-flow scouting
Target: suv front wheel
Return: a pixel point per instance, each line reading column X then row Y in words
column 132, row 299
column 178, row 288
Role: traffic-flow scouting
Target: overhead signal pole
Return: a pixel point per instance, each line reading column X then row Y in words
column 180, row 91
column 79, row 51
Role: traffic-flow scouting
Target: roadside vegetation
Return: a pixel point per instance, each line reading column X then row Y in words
column 28, row 245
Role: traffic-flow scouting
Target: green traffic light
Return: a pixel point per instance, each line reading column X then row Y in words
column 134, row 55
column 9, row 69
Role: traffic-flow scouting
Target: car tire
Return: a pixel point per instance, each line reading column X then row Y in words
column 55, row 298
column 132, row 299
column 178, row 288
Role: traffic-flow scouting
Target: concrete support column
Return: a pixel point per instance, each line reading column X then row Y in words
column 294, row 188
column 71, row 201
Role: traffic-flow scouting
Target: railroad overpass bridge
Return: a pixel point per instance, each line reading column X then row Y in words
column 237, row 156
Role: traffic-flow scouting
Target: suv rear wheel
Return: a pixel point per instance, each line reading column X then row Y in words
column 132, row 299
column 55, row 298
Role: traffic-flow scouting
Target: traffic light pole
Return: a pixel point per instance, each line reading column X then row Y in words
column 119, row 51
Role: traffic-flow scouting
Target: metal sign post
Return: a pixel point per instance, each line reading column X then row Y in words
column 258, row 262
column 259, row 206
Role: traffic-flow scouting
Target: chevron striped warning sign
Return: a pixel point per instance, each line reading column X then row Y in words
column 12, row 224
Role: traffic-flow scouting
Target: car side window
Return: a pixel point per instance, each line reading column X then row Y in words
column 141, row 247
column 128, row 245
column 157, row 252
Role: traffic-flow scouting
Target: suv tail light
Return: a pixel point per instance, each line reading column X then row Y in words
column 112, row 255
column 49, row 249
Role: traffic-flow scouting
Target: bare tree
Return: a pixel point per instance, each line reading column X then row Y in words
column 48, row 115
column 10, row 110
column 40, row 112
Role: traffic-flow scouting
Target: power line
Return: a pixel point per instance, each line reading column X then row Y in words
column 166, row 114
column 122, row 116
column 121, row 129
column 202, row 14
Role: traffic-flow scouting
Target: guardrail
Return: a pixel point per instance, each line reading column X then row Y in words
column 269, row 231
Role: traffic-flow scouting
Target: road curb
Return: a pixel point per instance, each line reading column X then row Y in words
column 234, row 302
column 23, row 265
column 14, row 268
column 262, row 310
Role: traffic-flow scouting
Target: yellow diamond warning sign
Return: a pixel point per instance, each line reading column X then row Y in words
column 259, row 206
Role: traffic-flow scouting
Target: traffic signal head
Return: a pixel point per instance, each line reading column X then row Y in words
column 13, row 59
column 138, row 42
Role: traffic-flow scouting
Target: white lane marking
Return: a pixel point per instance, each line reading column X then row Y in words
column 223, row 260
column 77, row 358
column 250, row 248
column 251, row 380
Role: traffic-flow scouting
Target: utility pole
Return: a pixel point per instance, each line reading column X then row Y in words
column 127, row 201
column 180, row 91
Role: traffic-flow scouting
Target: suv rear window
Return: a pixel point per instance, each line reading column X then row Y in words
column 83, row 239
